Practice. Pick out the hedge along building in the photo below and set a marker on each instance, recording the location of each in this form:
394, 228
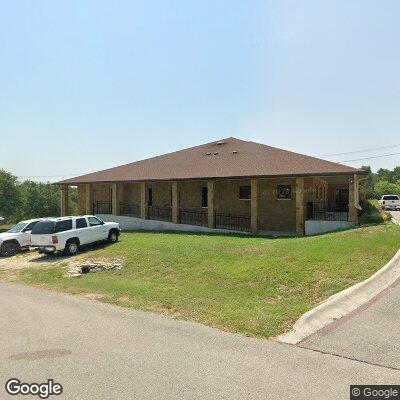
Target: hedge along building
228, 184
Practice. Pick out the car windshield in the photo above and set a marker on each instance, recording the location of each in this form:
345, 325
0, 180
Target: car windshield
390, 197
17, 228
44, 227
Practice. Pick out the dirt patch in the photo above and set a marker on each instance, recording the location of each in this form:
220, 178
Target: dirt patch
77, 268
73, 266
41, 354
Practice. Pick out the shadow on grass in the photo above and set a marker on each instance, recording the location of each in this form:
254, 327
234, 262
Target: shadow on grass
213, 234
60, 256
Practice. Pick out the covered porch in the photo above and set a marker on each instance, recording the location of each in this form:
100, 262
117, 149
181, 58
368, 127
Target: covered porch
257, 205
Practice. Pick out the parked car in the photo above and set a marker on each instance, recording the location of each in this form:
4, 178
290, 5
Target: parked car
17, 238
69, 233
390, 202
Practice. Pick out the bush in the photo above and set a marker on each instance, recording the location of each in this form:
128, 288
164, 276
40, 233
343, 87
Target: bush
371, 213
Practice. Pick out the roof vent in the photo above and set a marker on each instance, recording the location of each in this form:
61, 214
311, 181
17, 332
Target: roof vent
234, 151
208, 154
220, 143
216, 153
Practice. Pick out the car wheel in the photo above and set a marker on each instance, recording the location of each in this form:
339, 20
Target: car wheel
71, 248
112, 236
9, 249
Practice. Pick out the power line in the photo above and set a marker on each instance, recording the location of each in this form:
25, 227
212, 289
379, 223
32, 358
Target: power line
360, 151
369, 158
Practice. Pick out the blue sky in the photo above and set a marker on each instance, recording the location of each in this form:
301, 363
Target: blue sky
86, 85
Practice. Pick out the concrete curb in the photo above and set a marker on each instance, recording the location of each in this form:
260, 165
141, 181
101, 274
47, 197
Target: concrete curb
343, 303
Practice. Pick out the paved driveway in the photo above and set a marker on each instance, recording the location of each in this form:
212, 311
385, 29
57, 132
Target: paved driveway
396, 215
97, 351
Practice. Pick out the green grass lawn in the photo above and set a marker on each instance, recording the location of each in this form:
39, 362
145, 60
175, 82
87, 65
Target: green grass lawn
4, 228
250, 285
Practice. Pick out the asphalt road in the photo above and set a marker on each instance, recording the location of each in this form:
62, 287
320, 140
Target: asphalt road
99, 351
371, 333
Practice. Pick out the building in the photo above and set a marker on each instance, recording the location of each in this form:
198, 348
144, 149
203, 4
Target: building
228, 184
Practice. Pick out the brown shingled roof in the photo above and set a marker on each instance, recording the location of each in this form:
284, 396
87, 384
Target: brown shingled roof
226, 158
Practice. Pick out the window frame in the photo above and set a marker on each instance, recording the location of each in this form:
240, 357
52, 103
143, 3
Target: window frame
247, 187
278, 187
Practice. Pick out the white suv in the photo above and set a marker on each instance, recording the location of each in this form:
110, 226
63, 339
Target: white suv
17, 238
390, 202
68, 233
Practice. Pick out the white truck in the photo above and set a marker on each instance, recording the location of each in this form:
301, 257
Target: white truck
69, 233
17, 238
390, 202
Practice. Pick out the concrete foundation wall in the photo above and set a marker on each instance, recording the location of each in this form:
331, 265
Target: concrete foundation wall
318, 227
135, 224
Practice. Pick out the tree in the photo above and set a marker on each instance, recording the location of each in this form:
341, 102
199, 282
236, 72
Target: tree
384, 187
9, 195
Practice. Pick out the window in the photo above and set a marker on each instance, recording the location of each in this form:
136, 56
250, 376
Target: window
245, 193
17, 228
81, 223
150, 197
62, 226
43, 228
204, 197
30, 226
390, 198
93, 221
284, 192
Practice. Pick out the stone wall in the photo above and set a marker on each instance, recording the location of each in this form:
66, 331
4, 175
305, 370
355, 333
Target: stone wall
275, 214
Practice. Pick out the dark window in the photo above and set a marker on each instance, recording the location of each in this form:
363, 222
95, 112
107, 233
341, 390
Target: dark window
81, 223
62, 226
43, 228
204, 197
150, 197
93, 221
284, 192
30, 226
390, 198
244, 192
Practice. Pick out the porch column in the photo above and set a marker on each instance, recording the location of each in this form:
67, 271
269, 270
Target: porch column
210, 204
254, 206
143, 206
300, 206
353, 196
64, 200
89, 199
116, 197
175, 202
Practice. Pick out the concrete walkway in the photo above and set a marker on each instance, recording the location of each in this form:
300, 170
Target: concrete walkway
97, 351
